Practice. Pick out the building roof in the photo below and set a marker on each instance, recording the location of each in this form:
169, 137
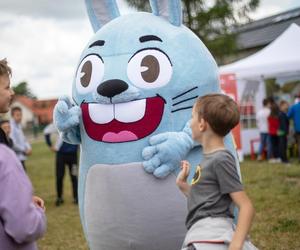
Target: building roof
40, 108
261, 32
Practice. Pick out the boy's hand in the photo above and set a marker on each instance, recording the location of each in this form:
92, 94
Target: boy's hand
38, 202
184, 173
28, 152
181, 180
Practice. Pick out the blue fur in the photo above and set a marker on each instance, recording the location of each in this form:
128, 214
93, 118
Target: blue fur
174, 10
109, 5
193, 66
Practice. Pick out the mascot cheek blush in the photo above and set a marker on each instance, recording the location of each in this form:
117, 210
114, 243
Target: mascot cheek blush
134, 88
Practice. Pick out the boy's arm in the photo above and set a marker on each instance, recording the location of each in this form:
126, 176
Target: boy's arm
18, 147
246, 214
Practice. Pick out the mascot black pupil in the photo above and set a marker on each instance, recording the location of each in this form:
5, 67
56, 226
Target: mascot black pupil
152, 72
87, 73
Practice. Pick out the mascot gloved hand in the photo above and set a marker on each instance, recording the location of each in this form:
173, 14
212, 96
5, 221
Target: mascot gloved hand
135, 84
166, 151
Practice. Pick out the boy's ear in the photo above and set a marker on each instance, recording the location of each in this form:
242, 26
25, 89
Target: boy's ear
202, 125
101, 12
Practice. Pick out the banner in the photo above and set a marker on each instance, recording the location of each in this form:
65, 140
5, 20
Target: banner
229, 87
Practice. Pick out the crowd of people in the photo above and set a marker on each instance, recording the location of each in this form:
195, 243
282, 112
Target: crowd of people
279, 127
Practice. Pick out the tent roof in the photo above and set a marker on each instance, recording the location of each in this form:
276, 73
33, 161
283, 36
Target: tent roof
281, 57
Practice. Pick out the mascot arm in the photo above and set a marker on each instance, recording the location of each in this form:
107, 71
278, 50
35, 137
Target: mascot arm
166, 150
66, 120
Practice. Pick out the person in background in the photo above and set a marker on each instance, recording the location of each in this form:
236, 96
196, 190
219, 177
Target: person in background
5, 126
262, 124
294, 114
22, 215
297, 99
283, 130
273, 123
66, 154
20, 144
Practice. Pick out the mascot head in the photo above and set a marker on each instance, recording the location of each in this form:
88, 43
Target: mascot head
140, 73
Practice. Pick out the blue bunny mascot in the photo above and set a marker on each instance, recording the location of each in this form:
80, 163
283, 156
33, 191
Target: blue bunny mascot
134, 88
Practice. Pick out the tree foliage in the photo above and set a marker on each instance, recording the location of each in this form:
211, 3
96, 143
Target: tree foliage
23, 89
213, 21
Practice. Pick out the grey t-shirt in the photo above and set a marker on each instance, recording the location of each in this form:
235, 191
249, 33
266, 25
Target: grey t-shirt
213, 181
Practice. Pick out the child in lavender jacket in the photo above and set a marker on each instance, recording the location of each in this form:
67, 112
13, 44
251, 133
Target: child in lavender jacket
22, 215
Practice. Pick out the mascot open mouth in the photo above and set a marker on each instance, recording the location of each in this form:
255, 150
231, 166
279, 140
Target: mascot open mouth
122, 122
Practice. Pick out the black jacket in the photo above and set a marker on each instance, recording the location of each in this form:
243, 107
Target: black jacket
4, 139
284, 122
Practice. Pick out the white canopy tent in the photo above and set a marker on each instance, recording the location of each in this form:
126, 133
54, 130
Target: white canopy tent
282, 56
279, 59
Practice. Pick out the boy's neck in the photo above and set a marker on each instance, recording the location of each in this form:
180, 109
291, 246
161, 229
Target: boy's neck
211, 143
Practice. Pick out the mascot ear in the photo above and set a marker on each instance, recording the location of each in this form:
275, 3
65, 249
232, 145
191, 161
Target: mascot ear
101, 12
169, 9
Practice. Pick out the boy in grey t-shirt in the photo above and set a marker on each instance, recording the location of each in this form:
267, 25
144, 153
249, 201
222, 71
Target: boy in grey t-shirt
216, 186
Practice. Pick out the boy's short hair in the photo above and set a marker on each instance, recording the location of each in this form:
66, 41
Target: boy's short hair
220, 111
4, 68
14, 109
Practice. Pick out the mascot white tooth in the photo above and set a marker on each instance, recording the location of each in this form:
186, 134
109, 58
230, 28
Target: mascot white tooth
134, 88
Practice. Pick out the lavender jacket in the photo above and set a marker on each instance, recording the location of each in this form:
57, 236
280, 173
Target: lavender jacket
21, 222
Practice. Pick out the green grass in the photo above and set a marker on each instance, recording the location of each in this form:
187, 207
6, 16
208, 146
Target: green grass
273, 188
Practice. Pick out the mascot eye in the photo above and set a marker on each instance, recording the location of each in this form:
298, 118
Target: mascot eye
149, 68
89, 74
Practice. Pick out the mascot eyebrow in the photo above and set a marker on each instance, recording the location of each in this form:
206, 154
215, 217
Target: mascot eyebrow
97, 43
149, 38
142, 40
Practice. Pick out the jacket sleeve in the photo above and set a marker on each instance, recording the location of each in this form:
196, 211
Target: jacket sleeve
290, 112
17, 145
22, 220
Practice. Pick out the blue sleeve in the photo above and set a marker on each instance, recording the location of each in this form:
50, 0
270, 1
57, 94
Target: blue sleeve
290, 112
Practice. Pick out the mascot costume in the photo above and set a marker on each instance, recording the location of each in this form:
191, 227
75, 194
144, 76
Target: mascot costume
135, 84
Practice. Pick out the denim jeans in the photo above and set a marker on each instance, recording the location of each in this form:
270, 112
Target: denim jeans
264, 144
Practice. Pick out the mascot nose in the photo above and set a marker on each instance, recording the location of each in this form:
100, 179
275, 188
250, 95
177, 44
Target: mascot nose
112, 87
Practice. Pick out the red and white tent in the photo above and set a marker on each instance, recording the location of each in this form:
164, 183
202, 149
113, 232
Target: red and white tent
280, 58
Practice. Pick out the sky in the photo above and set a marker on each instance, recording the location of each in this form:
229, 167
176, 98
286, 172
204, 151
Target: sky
43, 39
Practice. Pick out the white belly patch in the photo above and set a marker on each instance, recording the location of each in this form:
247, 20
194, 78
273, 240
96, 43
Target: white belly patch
127, 208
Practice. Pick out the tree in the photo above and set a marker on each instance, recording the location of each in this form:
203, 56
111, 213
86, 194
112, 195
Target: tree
23, 89
213, 21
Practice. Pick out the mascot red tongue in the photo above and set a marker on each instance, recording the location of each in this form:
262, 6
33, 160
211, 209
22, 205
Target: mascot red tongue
135, 84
